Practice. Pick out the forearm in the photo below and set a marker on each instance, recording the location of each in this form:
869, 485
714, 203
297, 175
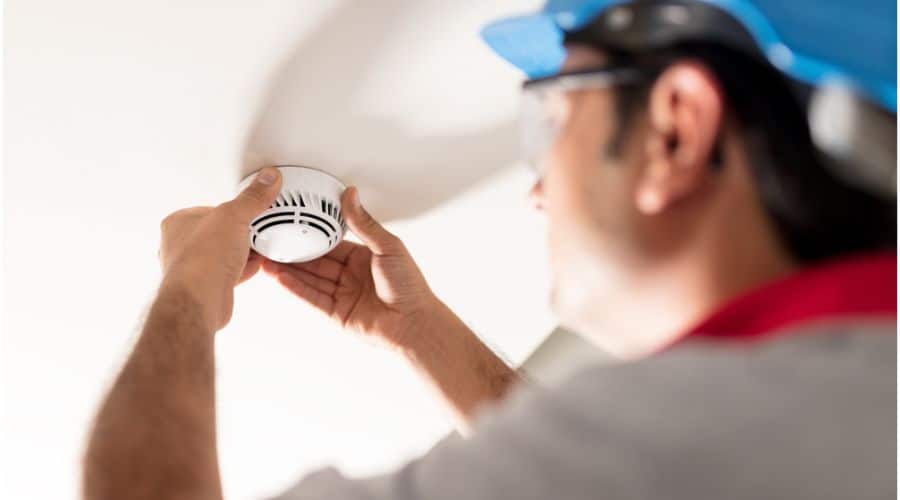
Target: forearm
154, 436
461, 368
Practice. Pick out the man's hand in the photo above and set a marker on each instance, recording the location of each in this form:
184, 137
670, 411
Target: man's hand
377, 290
374, 289
205, 251
155, 434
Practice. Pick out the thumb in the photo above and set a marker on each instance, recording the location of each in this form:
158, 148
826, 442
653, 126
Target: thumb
257, 196
379, 240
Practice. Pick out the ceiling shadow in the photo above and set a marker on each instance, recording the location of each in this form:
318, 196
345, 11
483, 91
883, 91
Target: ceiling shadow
306, 118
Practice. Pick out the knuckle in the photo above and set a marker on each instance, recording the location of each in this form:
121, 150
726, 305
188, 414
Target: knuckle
177, 217
392, 238
370, 222
229, 209
225, 207
169, 221
233, 212
394, 242
254, 194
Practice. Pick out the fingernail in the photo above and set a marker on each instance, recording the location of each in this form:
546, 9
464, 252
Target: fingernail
267, 176
356, 198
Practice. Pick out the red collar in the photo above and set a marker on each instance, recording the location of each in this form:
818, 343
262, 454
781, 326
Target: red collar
859, 285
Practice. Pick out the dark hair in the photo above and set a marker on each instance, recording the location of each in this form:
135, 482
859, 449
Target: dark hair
816, 214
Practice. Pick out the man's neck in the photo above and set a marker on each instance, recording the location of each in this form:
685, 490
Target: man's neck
733, 250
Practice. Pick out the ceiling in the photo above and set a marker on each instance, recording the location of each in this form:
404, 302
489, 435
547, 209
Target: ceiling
119, 112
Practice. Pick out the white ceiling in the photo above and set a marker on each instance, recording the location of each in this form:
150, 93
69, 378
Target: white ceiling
119, 112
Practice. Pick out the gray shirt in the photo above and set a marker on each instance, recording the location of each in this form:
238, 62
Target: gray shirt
807, 415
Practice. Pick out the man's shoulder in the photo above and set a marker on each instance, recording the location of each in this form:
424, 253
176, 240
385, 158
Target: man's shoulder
818, 358
814, 411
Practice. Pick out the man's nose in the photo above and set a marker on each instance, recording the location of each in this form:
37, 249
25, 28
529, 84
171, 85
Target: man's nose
536, 196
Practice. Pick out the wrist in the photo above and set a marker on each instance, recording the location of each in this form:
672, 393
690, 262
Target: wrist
186, 301
434, 324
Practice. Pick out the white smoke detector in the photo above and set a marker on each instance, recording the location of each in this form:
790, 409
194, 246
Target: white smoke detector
305, 221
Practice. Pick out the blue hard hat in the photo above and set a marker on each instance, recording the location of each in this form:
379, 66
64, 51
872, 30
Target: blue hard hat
812, 41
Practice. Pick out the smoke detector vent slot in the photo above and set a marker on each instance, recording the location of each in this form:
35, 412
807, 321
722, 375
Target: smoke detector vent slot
305, 221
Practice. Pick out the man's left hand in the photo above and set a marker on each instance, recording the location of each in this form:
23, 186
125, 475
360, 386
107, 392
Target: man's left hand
205, 251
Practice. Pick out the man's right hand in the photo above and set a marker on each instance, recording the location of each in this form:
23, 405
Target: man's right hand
375, 289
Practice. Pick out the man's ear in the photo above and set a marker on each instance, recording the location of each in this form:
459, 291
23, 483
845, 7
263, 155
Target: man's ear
686, 107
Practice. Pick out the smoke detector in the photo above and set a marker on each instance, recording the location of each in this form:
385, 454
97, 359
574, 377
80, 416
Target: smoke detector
305, 221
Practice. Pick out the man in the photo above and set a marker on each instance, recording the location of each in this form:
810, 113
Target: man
696, 233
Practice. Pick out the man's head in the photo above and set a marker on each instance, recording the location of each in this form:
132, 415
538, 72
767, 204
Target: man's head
676, 162
683, 188
627, 185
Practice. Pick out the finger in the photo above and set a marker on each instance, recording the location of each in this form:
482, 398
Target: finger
254, 262
270, 267
322, 267
371, 232
321, 284
313, 297
258, 196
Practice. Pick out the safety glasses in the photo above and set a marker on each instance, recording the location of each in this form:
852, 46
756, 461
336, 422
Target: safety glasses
544, 106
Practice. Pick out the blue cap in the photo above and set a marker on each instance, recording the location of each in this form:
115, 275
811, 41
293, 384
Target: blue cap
813, 41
